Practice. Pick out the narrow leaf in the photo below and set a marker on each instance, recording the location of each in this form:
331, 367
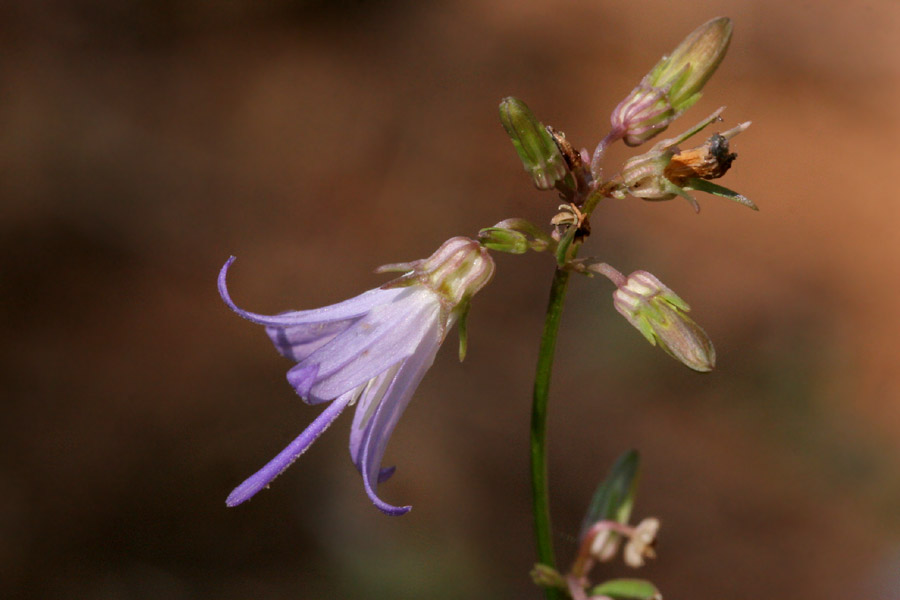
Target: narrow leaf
463, 331
614, 497
701, 185
627, 589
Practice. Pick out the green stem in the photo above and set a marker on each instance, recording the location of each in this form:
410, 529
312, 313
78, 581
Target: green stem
541, 502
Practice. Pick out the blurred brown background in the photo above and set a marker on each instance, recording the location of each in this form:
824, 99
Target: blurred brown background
144, 142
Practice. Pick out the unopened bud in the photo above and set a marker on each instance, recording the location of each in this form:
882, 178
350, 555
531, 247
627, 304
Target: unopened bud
661, 316
693, 62
674, 84
547, 576
515, 236
503, 240
533, 143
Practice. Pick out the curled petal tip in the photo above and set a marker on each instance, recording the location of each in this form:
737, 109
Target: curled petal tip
394, 511
223, 289
388, 509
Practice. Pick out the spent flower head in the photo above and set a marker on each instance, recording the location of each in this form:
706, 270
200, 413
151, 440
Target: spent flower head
666, 172
640, 545
371, 351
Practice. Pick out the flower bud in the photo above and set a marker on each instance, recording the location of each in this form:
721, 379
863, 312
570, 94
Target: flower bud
515, 236
503, 240
693, 62
674, 84
661, 316
533, 143
547, 576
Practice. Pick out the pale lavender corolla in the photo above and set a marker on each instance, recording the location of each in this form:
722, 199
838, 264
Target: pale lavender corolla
371, 351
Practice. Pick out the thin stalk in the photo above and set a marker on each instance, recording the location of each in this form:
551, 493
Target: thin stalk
543, 529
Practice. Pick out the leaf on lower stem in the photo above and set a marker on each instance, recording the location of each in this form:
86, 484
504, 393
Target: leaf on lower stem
627, 589
614, 497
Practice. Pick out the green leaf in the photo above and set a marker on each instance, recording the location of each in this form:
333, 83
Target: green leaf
627, 589
701, 185
463, 332
614, 497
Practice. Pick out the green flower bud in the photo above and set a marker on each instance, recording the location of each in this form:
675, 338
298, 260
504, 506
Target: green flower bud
515, 236
689, 67
661, 316
503, 240
674, 84
533, 143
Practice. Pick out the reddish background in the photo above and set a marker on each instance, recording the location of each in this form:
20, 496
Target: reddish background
145, 142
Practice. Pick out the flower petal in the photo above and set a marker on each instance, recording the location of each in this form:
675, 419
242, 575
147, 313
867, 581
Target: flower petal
370, 397
385, 336
346, 310
283, 460
302, 378
381, 424
299, 341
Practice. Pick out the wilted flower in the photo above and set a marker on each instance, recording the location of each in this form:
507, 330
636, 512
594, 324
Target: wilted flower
674, 84
640, 546
665, 172
661, 316
605, 545
371, 350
